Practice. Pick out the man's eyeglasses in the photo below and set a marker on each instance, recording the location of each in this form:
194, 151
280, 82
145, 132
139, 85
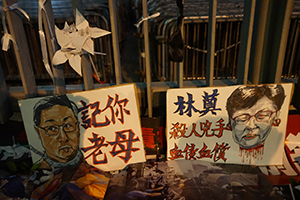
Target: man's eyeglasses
54, 129
261, 116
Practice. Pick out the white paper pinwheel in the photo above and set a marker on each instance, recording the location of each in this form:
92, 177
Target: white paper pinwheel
75, 41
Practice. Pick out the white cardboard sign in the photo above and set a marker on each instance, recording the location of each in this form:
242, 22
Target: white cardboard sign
106, 131
231, 124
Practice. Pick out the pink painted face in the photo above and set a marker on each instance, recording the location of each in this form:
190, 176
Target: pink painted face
251, 127
59, 133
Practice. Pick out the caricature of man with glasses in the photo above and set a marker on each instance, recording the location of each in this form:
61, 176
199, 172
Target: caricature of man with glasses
55, 121
252, 111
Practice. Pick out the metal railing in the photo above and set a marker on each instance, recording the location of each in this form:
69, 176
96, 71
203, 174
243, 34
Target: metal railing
103, 63
195, 37
228, 30
228, 59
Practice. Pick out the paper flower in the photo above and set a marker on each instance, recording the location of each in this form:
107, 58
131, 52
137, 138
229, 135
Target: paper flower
76, 40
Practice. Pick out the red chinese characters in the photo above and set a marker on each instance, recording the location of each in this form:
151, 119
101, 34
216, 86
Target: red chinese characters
179, 130
191, 152
121, 147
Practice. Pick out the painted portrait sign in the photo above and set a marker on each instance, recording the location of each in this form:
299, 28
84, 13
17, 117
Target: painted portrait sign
232, 124
101, 126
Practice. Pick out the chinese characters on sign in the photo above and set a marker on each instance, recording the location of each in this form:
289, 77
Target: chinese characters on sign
209, 104
113, 136
114, 111
192, 153
124, 140
229, 124
114, 105
179, 130
102, 126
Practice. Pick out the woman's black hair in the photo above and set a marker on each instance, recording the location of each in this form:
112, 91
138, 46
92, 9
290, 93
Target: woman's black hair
245, 97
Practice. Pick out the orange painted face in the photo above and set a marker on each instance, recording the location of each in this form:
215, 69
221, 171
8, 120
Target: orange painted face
250, 127
59, 133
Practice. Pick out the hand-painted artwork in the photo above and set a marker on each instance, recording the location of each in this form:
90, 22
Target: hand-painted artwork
101, 126
232, 124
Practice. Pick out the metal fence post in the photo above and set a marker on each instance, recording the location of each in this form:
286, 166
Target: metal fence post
115, 40
21, 50
147, 59
258, 44
58, 72
271, 27
246, 38
282, 35
211, 42
180, 64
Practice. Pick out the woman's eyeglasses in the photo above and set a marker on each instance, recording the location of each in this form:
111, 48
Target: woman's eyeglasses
261, 116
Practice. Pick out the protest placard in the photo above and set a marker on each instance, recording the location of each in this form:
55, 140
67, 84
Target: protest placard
229, 124
101, 126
